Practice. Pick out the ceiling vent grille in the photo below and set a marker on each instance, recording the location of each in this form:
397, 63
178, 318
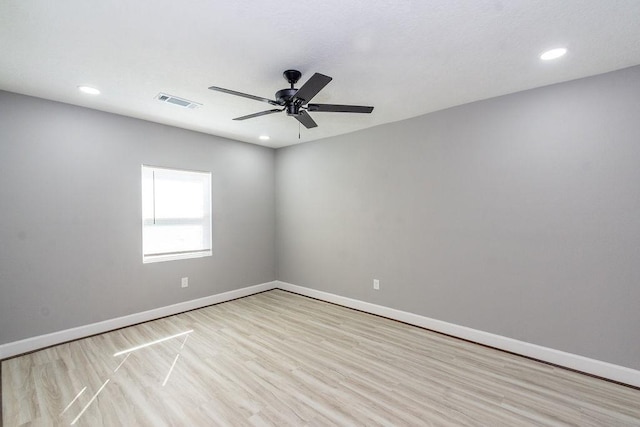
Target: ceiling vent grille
180, 102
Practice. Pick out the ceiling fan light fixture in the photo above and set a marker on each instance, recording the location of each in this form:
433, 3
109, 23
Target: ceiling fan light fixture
88, 90
553, 53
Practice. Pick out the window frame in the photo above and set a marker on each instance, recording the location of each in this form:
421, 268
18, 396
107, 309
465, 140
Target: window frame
206, 222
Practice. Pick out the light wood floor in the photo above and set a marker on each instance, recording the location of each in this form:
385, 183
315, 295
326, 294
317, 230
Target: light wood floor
280, 359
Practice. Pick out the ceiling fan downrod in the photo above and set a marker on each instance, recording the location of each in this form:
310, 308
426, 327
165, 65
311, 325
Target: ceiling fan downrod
292, 76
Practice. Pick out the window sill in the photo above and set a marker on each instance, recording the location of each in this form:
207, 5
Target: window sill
174, 257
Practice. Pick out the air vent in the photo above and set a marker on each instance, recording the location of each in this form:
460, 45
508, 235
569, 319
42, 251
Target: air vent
180, 102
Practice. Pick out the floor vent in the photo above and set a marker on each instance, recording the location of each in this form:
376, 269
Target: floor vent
180, 102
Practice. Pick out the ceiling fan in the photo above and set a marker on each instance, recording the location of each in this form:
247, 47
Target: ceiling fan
296, 101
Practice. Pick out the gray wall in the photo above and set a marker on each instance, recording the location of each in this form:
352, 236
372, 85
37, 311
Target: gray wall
518, 215
70, 216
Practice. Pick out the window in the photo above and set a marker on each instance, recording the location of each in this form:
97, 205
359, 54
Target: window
176, 214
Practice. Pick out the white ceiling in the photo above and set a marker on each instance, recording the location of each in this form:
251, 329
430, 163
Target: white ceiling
404, 57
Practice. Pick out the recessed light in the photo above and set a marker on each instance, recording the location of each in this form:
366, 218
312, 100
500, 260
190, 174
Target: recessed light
553, 54
264, 137
89, 90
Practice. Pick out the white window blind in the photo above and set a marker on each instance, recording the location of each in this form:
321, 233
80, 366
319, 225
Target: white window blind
176, 214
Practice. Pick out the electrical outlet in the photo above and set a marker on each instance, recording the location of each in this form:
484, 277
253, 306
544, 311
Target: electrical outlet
376, 284
185, 282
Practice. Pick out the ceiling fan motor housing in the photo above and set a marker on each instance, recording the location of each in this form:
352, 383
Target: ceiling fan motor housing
285, 95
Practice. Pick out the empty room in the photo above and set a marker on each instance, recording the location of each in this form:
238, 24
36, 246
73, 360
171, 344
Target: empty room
395, 213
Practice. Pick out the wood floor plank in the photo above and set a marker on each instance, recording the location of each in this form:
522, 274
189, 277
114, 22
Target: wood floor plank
280, 359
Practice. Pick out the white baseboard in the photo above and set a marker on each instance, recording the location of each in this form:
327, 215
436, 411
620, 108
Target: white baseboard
41, 341
572, 361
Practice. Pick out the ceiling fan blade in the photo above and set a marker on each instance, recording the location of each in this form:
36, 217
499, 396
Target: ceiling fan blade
262, 113
244, 95
332, 108
306, 120
312, 87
